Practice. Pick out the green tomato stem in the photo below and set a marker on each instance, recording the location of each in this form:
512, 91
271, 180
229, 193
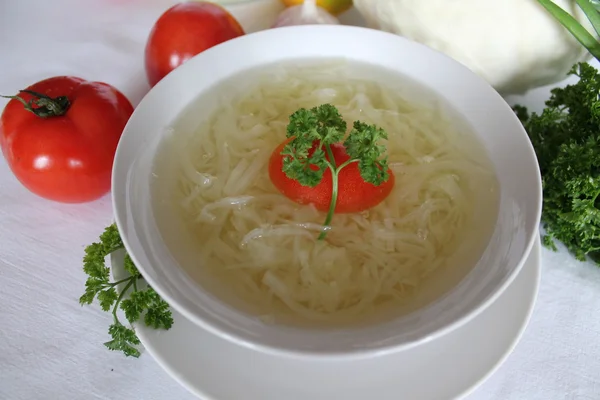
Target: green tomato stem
47, 106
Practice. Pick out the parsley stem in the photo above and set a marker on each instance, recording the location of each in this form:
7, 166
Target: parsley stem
119, 282
334, 196
335, 171
346, 164
125, 289
330, 155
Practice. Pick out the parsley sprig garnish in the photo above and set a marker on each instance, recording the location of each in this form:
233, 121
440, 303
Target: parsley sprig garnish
140, 302
566, 138
309, 152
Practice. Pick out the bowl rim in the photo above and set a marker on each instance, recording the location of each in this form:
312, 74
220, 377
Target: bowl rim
120, 214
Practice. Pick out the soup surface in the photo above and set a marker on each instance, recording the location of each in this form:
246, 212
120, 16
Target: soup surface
239, 237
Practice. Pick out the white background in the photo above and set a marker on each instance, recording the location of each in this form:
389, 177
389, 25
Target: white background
51, 348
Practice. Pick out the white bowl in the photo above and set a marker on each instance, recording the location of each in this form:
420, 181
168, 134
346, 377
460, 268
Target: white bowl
492, 119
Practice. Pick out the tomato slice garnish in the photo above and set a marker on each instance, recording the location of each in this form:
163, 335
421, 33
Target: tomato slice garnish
354, 194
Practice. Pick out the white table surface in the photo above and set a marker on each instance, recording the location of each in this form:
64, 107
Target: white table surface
51, 348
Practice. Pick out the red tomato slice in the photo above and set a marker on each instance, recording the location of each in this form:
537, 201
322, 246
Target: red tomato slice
354, 194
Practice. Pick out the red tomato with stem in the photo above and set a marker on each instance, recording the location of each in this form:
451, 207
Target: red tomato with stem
59, 137
354, 194
184, 31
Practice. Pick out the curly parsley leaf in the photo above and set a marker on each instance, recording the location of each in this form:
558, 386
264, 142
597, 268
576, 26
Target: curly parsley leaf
158, 315
309, 131
97, 283
129, 266
135, 305
132, 300
123, 339
566, 139
308, 171
107, 298
363, 144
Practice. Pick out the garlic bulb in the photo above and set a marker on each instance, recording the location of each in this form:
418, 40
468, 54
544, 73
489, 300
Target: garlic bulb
516, 45
308, 13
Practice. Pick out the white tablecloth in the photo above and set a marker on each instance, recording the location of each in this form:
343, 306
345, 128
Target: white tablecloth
51, 348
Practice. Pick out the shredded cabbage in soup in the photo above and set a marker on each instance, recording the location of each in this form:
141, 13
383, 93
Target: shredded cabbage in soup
257, 250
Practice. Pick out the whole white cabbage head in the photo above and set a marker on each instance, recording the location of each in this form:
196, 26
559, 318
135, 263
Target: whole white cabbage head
516, 45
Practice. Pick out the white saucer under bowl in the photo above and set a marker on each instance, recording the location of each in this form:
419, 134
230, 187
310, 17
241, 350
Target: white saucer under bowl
446, 368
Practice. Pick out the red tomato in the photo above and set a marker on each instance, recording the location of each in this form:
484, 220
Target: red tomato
183, 31
354, 194
66, 155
